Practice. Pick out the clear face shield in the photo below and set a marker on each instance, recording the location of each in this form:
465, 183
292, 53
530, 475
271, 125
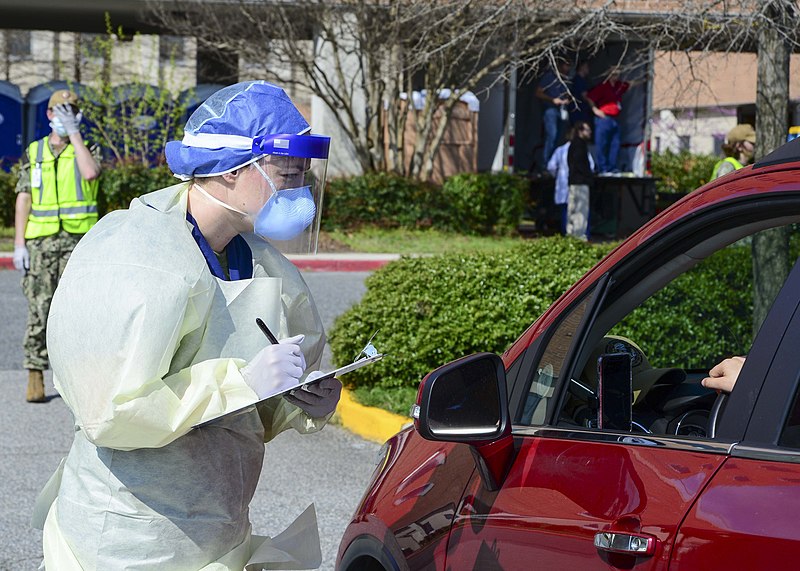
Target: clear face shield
295, 168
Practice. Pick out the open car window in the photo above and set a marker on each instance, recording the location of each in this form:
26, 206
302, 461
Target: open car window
674, 327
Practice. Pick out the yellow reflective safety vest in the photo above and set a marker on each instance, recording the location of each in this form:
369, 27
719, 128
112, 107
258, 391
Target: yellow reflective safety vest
60, 197
736, 165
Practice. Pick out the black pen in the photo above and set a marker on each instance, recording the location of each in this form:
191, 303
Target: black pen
265, 330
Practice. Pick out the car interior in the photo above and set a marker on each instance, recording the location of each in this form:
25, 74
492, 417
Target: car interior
667, 395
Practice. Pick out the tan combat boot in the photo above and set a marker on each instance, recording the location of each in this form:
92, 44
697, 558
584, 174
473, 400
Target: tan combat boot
35, 386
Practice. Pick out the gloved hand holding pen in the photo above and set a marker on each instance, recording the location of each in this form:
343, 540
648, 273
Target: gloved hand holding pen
276, 367
319, 399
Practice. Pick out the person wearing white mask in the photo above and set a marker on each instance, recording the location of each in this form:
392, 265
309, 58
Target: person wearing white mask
153, 344
56, 205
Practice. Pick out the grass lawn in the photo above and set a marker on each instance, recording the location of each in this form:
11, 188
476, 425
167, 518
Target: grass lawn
379, 241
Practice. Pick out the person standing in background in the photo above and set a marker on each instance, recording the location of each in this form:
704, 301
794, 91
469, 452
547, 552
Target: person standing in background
606, 102
581, 110
553, 91
739, 146
581, 179
56, 205
558, 167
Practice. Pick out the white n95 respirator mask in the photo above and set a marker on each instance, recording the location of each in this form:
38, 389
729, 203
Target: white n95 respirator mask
286, 214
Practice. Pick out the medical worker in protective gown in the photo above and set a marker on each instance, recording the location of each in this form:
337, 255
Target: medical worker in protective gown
152, 331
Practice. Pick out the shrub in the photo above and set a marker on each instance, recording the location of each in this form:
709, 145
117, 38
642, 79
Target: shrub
380, 199
123, 183
466, 203
681, 172
433, 310
8, 196
485, 203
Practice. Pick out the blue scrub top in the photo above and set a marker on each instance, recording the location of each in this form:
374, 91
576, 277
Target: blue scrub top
240, 256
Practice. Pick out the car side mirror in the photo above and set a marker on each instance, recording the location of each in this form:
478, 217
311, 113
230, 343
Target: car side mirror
464, 401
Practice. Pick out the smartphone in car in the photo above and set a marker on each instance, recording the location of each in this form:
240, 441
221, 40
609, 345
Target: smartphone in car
615, 392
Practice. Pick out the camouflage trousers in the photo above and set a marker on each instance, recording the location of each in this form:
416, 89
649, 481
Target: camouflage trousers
49, 256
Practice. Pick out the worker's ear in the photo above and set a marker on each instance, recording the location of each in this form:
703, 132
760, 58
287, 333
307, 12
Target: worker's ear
230, 177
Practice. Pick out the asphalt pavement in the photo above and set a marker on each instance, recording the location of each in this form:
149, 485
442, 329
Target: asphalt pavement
330, 468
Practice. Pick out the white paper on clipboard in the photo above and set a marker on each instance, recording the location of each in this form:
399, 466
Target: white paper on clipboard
357, 364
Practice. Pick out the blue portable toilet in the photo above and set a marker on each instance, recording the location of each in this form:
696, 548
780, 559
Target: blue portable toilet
11, 103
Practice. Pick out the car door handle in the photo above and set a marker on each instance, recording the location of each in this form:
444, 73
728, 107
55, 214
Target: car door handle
629, 543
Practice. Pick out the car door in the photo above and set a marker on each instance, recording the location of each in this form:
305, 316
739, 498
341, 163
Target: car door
746, 518
567, 484
572, 484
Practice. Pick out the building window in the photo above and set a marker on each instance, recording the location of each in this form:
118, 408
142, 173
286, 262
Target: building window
18, 43
95, 46
684, 143
171, 47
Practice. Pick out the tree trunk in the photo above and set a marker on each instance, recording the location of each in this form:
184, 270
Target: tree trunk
771, 247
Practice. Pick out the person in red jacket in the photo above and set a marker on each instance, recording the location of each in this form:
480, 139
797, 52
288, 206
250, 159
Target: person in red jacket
606, 101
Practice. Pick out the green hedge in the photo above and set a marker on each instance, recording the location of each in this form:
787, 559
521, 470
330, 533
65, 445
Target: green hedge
485, 203
466, 203
120, 185
383, 200
681, 172
433, 310
8, 196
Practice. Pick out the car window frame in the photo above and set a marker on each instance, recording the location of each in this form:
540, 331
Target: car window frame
685, 234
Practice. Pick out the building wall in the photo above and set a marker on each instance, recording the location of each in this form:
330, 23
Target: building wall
56, 56
696, 130
697, 97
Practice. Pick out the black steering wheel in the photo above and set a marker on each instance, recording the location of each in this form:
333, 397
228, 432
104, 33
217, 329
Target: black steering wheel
716, 411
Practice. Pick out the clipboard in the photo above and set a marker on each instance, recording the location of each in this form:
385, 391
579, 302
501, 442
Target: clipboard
341, 370
370, 355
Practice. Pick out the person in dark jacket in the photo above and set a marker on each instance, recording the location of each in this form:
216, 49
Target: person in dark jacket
581, 179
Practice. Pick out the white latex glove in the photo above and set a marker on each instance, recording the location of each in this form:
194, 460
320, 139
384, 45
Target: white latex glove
22, 259
276, 367
317, 399
67, 117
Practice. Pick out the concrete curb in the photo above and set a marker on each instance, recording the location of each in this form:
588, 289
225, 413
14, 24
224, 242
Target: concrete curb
319, 262
370, 423
349, 262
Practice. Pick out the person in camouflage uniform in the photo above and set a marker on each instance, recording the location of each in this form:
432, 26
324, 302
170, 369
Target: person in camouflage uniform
56, 205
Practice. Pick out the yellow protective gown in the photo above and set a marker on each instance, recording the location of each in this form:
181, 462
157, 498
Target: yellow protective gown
144, 344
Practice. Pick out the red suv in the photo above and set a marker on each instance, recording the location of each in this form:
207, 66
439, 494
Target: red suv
581, 448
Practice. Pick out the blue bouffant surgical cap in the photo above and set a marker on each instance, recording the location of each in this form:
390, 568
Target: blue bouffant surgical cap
218, 136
